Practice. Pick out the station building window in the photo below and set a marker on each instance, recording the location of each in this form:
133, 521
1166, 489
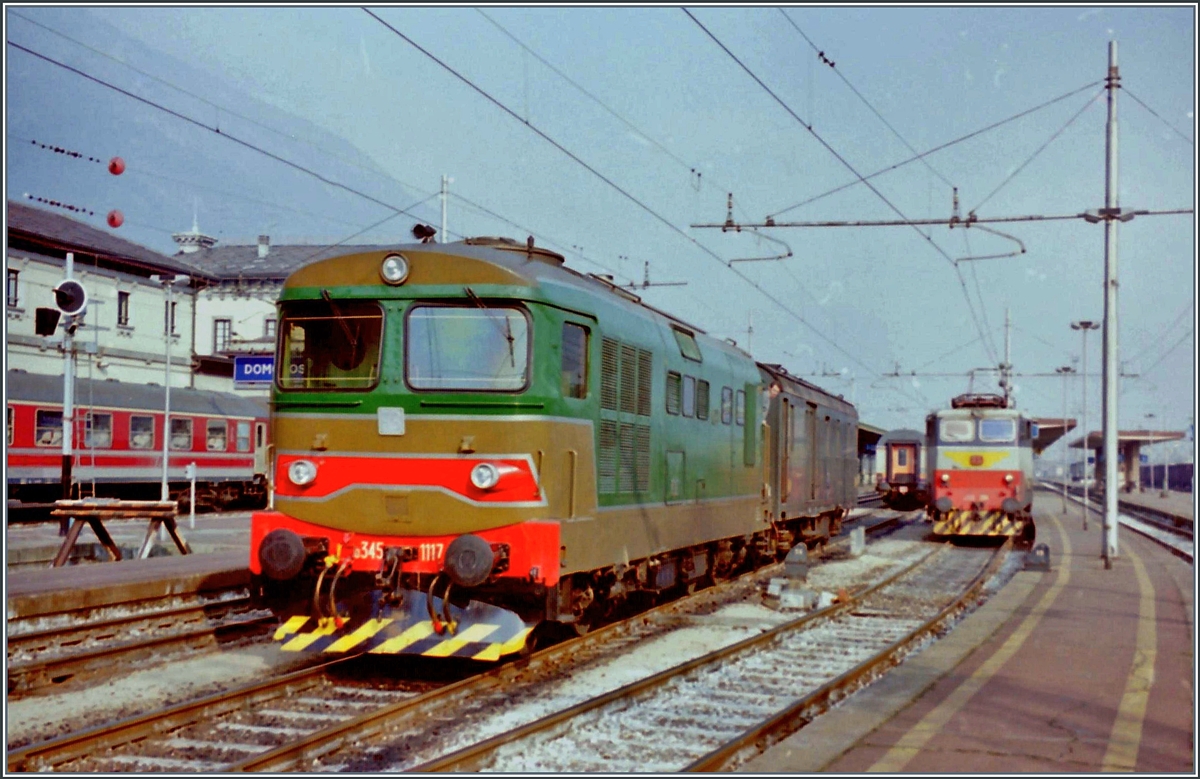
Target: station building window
222, 334
269, 327
141, 431
181, 434
123, 309
48, 428
14, 288
97, 432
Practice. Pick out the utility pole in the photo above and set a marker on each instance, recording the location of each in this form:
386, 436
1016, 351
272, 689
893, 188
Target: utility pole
1085, 325
1112, 213
1065, 370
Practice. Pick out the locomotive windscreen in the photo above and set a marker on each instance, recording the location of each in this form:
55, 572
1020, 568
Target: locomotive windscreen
329, 345
467, 348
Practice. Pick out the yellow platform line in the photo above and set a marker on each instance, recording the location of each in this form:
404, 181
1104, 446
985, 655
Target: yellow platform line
411, 636
911, 743
325, 627
364, 631
291, 626
468, 636
1126, 737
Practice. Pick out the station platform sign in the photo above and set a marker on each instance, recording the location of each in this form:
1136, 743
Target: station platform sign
253, 370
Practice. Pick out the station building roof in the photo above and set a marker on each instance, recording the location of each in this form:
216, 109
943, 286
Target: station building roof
1095, 439
1050, 429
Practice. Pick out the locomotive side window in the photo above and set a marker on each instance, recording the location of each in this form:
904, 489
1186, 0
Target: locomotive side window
243, 436
97, 433
574, 360
998, 430
726, 406
687, 344
956, 430
689, 396
701, 399
218, 431
674, 392
332, 345
740, 407
181, 434
467, 349
48, 428
141, 432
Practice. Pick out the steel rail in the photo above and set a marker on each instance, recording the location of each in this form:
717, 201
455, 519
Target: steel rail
806, 709
470, 758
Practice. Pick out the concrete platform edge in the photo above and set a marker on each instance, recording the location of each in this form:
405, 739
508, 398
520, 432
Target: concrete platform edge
831, 735
46, 603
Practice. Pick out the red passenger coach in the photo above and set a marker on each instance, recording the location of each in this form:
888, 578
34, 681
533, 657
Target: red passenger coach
117, 442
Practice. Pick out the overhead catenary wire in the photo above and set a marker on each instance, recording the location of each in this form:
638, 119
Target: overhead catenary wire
657, 216
1156, 115
936, 149
843, 161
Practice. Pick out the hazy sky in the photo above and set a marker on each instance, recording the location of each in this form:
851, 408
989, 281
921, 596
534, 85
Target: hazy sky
669, 123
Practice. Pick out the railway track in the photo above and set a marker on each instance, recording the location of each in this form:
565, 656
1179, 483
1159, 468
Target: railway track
1173, 531
75, 648
282, 721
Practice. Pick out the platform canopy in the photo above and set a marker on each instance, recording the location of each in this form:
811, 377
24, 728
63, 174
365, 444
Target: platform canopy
1050, 429
1095, 439
868, 436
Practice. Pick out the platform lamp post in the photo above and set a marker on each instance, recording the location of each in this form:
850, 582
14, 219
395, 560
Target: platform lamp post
1085, 325
1065, 370
168, 283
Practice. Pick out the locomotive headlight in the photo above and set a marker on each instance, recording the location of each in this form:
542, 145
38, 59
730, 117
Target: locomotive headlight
485, 476
1008, 478
394, 269
945, 478
302, 472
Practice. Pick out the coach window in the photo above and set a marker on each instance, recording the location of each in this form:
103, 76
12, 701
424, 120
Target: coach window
10, 425
957, 430
726, 406
574, 360
14, 288
218, 431
674, 392
48, 428
998, 431
467, 348
181, 434
689, 396
701, 399
123, 309
141, 432
243, 436
97, 433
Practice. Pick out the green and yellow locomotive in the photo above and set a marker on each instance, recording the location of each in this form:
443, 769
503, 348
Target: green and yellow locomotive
473, 441
981, 455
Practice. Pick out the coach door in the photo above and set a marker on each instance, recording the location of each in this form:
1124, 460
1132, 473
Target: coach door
260, 447
810, 432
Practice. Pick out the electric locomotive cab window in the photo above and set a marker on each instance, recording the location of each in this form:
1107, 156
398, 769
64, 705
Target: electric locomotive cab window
689, 396
48, 428
701, 399
574, 360
998, 430
467, 348
674, 392
217, 435
181, 434
329, 345
687, 344
726, 406
141, 432
97, 433
956, 430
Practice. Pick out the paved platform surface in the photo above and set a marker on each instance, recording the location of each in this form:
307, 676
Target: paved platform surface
220, 552
1079, 669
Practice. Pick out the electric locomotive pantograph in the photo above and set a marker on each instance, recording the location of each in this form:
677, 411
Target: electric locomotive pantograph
981, 455
474, 442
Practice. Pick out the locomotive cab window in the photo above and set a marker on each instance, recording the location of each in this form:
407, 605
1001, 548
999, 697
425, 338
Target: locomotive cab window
956, 430
467, 348
97, 433
726, 406
574, 360
687, 344
998, 430
329, 345
48, 428
141, 432
217, 435
689, 396
181, 434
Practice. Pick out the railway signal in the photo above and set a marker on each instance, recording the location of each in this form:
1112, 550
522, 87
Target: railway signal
70, 297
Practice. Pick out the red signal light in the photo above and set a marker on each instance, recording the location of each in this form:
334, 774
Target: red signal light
116, 166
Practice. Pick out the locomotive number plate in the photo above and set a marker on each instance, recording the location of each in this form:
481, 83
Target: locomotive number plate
369, 550
431, 552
